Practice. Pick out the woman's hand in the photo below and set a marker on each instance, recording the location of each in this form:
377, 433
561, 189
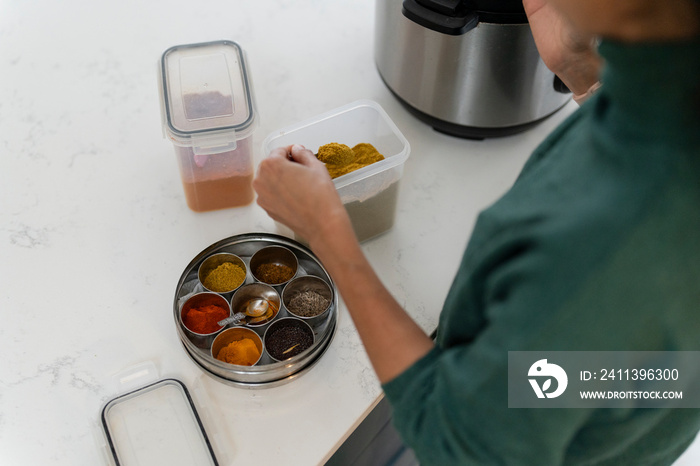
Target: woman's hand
294, 188
566, 52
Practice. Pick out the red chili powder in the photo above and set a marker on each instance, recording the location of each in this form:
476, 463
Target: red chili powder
204, 319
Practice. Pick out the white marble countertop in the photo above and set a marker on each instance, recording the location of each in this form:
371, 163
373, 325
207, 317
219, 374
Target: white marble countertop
95, 232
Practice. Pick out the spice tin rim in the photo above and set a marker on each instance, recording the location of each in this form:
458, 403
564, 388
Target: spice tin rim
270, 383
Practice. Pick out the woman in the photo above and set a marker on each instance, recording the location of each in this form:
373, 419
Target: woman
595, 247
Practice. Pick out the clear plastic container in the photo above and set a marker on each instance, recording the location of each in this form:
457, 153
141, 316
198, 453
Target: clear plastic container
369, 194
208, 113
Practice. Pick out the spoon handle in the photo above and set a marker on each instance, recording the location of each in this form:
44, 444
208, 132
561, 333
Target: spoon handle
235, 319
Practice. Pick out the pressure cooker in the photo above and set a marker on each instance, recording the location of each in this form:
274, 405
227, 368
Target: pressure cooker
469, 68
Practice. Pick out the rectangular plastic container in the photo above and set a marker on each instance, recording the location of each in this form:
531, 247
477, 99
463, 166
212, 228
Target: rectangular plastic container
208, 114
369, 194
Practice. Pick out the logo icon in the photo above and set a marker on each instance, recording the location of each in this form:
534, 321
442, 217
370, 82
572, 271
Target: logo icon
541, 369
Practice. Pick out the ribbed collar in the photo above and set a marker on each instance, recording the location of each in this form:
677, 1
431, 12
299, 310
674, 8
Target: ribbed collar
655, 86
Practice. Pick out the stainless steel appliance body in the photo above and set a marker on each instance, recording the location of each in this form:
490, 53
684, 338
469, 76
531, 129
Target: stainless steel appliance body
486, 81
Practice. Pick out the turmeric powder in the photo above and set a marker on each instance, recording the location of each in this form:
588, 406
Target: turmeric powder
366, 154
335, 154
341, 160
242, 352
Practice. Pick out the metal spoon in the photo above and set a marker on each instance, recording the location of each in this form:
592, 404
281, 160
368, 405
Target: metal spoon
254, 308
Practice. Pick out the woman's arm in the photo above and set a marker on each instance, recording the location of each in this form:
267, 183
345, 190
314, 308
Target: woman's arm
296, 190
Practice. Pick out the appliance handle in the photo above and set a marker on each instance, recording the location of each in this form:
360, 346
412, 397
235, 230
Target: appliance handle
444, 18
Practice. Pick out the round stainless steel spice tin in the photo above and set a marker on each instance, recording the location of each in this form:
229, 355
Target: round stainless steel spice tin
267, 372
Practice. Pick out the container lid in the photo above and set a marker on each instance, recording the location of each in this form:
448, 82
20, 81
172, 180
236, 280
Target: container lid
206, 94
156, 424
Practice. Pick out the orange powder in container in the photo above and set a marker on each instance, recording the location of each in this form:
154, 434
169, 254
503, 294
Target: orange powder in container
242, 352
204, 319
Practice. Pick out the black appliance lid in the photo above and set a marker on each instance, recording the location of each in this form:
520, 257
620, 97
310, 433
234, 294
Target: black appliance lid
455, 17
497, 7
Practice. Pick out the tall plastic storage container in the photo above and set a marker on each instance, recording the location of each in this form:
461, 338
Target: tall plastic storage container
209, 115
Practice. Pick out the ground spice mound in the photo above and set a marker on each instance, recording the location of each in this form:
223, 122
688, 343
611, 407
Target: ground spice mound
242, 352
341, 160
274, 274
204, 320
308, 303
335, 154
366, 154
225, 277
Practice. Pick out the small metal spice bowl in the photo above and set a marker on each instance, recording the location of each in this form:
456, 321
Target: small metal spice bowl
232, 334
200, 300
259, 302
212, 262
304, 285
269, 264
288, 337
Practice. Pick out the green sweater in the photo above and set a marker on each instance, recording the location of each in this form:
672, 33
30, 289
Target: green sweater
595, 247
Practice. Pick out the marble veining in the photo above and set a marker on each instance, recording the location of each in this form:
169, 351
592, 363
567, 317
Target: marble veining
95, 232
